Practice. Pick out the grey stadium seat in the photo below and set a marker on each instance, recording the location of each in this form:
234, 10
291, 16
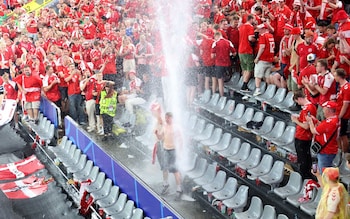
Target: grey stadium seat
207, 132
228, 191
104, 191
276, 132
219, 106
254, 211
217, 184
246, 117
291, 188
278, 97
137, 214
127, 211
110, 199
198, 129
208, 176
199, 169
118, 206
252, 161
275, 176
293, 199
266, 126
213, 101
269, 212
214, 139
223, 143
97, 184
228, 109
242, 154
286, 138
310, 207
263, 168
232, 149
268, 94
204, 98
237, 113
239, 200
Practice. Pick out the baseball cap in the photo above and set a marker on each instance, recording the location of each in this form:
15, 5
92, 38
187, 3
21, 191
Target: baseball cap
311, 57
288, 27
310, 25
262, 26
341, 15
332, 173
296, 30
297, 2
330, 104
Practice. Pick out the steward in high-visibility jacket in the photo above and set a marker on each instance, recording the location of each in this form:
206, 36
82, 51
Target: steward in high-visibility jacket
108, 105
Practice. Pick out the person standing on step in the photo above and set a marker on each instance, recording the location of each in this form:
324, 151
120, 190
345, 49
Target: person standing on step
108, 108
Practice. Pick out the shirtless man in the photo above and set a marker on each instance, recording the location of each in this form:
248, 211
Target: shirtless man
172, 141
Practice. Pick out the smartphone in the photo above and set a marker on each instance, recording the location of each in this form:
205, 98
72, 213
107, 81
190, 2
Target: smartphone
314, 168
308, 114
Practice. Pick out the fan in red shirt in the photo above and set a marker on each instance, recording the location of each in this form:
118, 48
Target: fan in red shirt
306, 48
264, 58
109, 69
5, 59
222, 50
282, 18
324, 132
88, 86
343, 111
50, 86
30, 87
203, 8
303, 135
305, 77
218, 15
205, 49
233, 32
89, 29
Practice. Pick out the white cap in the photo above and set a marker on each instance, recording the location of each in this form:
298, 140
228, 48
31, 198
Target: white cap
311, 57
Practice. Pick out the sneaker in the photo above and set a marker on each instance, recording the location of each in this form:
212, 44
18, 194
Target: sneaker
178, 195
82, 123
101, 133
245, 98
165, 189
245, 90
257, 93
89, 129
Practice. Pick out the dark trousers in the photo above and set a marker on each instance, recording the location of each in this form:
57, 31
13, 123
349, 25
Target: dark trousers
304, 157
107, 123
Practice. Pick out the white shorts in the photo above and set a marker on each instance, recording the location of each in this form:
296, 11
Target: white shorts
129, 65
32, 105
262, 69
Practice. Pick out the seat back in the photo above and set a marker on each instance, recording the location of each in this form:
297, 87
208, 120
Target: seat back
239, 110
94, 172
230, 186
200, 125
63, 141
208, 131
214, 100
251, 84
288, 134
263, 86
242, 195
43, 123
51, 131
210, 172
192, 122
224, 141
282, 216
119, 205
277, 130
269, 212
269, 92
240, 82
235, 145
288, 101
88, 167
295, 181
235, 77
99, 180
206, 96
220, 179
82, 161
277, 170
216, 136
254, 156
138, 214
229, 107
280, 95
244, 151
266, 163
221, 103
67, 146
267, 125
258, 116
256, 207
248, 115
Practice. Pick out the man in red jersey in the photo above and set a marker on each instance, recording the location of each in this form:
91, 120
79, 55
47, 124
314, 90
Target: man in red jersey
326, 131
50, 86
264, 58
305, 77
343, 111
245, 50
222, 49
282, 18
10, 89
89, 29
285, 51
205, 49
303, 135
233, 36
30, 87
88, 86
303, 49
109, 68
143, 54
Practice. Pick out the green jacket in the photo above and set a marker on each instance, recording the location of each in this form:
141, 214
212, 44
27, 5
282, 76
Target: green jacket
108, 105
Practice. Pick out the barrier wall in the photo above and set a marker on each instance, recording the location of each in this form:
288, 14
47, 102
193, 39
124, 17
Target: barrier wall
130, 184
51, 111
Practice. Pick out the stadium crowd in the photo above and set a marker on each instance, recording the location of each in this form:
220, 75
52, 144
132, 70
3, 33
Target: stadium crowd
73, 51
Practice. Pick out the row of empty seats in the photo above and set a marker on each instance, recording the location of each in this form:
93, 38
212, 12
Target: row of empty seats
276, 97
44, 130
106, 195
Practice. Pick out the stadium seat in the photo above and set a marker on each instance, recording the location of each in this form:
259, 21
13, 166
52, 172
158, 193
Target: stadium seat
206, 134
246, 117
84, 174
96, 184
258, 117
192, 121
127, 211
118, 206
252, 88
212, 103
287, 102
68, 155
208, 176
62, 148
137, 214
227, 110
237, 113
252, 161
290, 147
269, 212
232, 149
242, 154
228, 191
254, 211
79, 166
282, 216
67, 161
110, 199
338, 158
278, 97
263, 168
223, 143
219, 106
198, 129
293, 199
235, 83
214, 139
275, 176
276, 132
191, 164
104, 191
205, 97
217, 184
266, 126
293, 186
268, 94
199, 169
310, 207
343, 169
239, 200
286, 138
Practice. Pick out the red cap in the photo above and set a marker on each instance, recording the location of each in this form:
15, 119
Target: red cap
288, 27
330, 104
310, 25
296, 30
341, 15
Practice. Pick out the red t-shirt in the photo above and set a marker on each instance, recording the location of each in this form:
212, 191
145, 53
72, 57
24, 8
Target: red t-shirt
233, 36
10, 89
301, 133
303, 50
96, 58
89, 31
110, 67
74, 85
283, 16
269, 51
203, 10
54, 93
245, 31
90, 87
308, 71
32, 85
99, 88
343, 96
206, 48
222, 50
324, 131
326, 81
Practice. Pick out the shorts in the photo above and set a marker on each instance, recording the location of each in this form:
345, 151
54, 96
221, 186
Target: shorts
170, 161
160, 155
220, 71
32, 105
129, 65
343, 127
262, 69
209, 71
64, 92
247, 62
191, 77
97, 109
